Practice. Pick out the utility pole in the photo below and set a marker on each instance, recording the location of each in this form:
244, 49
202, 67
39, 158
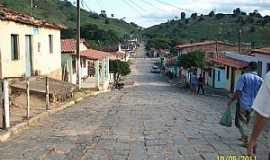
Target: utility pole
239, 41
78, 62
31, 6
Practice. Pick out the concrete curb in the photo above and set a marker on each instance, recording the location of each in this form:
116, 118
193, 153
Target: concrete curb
6, 135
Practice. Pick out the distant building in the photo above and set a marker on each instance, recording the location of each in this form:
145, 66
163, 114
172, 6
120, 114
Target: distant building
209, 47
263, 57
28, 46
224, 72
94, 65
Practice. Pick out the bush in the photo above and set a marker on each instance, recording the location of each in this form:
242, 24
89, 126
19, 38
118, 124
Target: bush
119, 68
94, 15
107, 21
219, 16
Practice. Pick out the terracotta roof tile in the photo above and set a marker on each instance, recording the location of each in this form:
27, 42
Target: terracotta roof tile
69, 45
94, 54
18, 17
228, 61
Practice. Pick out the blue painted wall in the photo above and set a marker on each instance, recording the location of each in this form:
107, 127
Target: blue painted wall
220, 78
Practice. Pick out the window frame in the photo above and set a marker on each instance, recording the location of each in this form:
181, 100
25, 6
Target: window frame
228, 72
267, 67
51, 43
219, 76
15, 56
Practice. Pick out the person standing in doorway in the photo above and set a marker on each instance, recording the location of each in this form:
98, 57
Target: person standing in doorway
246, 90
200, 84
193, 82
262, 108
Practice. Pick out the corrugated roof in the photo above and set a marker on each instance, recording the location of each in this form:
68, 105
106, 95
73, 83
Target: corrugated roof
261, 51
18, 17
188, 45
228, 61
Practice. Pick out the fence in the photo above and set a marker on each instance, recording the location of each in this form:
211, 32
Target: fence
19, 104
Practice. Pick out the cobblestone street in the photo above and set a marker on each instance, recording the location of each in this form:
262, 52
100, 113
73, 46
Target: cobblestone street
150, 121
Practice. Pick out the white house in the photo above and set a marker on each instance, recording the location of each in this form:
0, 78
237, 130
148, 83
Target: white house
28, 46
94, 65
263, 57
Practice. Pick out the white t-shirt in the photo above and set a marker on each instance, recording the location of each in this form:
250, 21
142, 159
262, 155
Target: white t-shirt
262, 102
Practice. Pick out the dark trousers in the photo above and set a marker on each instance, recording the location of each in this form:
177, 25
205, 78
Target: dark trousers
242, 119
200, 87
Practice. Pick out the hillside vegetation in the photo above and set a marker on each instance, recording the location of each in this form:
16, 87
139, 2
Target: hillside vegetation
255, 29
102, 31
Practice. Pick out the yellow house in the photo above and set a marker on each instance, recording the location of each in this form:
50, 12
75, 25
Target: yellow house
28, 46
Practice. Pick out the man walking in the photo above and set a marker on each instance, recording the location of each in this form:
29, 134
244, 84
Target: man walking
200, 84
262, 108
246, 91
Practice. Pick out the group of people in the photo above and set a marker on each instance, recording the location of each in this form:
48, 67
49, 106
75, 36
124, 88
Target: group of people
252, 94
196, 83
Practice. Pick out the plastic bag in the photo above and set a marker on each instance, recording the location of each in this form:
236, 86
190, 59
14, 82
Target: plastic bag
226, 119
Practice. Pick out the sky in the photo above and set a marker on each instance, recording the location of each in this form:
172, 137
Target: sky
152, 12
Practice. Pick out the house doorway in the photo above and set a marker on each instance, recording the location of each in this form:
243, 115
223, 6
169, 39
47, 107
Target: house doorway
232, 80
28, 55
214, 78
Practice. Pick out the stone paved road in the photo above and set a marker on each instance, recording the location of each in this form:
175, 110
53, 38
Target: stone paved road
151, 121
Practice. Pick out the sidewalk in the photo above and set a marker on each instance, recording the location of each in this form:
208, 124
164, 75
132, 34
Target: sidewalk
38, 112
209, 91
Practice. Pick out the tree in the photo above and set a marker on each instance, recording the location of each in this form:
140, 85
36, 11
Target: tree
103, 14
211, 14
194, 15
237, 11
255, 13
119, 68
192, 59
183, 15
201, 18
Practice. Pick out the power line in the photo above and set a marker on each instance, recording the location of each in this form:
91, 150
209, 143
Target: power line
84, 4
152, 5
131, 6
136, 5
174, 6
99, 4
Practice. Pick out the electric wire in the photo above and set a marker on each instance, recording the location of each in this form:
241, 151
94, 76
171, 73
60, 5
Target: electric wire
131, 6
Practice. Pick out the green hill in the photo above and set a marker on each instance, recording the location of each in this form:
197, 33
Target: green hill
255, 29
102, 31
